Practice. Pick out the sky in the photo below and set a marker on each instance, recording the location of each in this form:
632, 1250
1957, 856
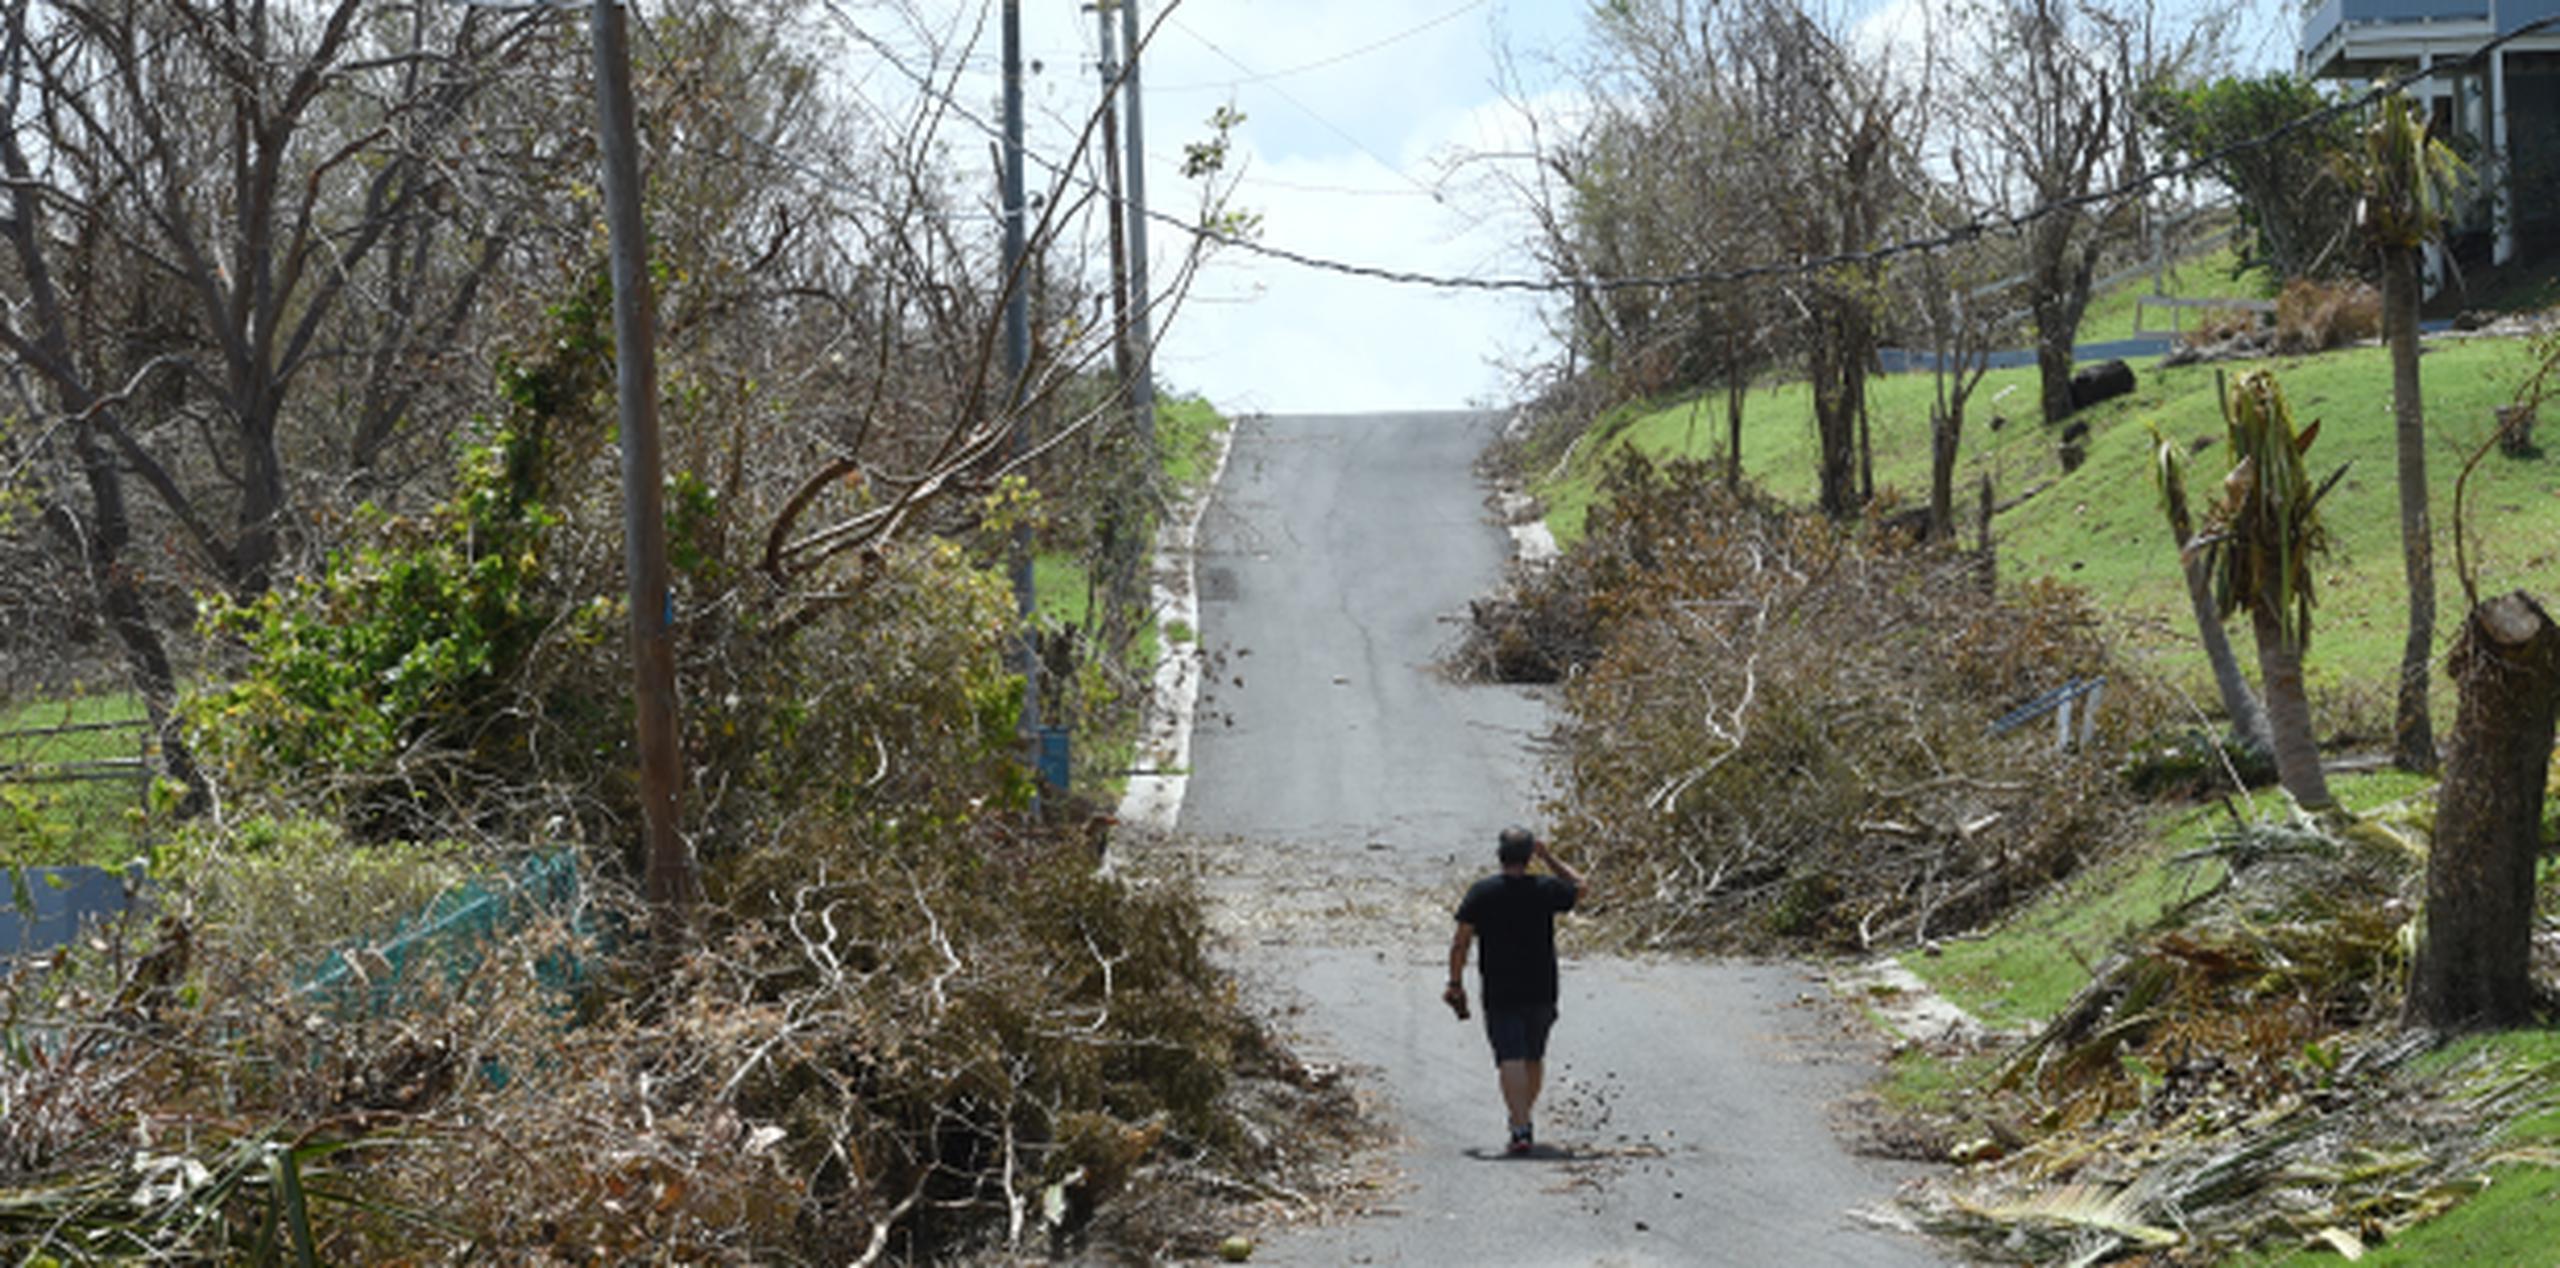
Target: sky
1375, 133
1356, 113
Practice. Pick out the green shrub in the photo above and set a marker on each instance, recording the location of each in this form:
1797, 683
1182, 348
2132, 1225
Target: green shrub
390, 684
292, 889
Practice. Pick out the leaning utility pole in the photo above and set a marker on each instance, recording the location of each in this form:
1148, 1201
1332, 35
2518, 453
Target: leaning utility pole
1125, 518
669, 866
1110, 154
1017, 364
1142, 384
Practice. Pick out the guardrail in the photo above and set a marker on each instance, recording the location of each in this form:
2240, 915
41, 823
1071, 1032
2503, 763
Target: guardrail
37, 770
2177, 304
2060, 702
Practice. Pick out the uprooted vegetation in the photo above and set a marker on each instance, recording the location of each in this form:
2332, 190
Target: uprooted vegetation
2238, 1078
1782, 729
906, 1020
912, 1052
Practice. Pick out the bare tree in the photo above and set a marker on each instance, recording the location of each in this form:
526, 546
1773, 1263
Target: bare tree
2055, 92
1719, 139
242, 244
1831, 159
1960, 310
211, 211
1657, 175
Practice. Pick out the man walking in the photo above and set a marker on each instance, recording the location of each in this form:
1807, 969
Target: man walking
1513, 914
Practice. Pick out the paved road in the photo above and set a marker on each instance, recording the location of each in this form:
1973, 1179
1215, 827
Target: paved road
1349, 790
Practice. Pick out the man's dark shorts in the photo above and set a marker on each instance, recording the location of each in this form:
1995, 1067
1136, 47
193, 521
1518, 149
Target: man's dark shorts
1519, 1032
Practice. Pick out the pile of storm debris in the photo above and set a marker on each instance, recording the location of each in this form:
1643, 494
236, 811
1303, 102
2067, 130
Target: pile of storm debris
1783, 730
1782, 733
2239, 1078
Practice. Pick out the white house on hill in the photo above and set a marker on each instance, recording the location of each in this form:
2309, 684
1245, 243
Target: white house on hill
2507, 109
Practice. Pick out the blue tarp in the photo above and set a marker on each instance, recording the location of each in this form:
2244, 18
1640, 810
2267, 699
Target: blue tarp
454, 931
47, 907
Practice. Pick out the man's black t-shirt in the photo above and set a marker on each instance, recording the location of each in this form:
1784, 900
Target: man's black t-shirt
1515, 922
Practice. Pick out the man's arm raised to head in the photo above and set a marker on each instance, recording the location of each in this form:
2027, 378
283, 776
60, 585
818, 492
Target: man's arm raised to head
1563, 870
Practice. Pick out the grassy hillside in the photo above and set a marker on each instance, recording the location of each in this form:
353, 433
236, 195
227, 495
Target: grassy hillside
2100, 527
74, 809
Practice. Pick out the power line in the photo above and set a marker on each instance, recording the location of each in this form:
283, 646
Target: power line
1336, 59
1972, 231
1307, 110
1961, 235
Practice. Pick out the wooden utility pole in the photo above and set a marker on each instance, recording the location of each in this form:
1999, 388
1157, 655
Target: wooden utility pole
1110, 154
1017, 364
669, 865
1142, 386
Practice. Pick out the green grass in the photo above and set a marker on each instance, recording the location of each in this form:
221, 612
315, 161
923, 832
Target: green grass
1918, 1078
48, 823
1061, 588
2210, 275
1187, 431
2512, 1221
2037, 961
2100, 527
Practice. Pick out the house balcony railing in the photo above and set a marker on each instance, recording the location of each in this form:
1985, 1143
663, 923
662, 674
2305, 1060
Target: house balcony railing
2330, 24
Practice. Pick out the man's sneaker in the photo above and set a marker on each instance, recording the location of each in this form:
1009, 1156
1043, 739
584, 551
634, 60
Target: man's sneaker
1519, 1142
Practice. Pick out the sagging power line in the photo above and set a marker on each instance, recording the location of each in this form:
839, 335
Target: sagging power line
1974, 230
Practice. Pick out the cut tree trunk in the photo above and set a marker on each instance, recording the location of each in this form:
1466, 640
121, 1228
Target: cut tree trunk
2472, 969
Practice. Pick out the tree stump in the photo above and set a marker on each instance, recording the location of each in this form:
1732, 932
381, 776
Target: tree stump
2104, 381
2472, 969
2074, 449
2515, 431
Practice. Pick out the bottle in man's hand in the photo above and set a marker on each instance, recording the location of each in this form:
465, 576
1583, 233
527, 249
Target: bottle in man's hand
1456, 997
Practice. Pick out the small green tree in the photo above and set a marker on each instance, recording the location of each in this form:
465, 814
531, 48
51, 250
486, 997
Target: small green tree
384, 681
2258, 542
2291, 197
458, 670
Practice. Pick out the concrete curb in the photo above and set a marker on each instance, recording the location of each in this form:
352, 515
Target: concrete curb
1906, 1005
1533, 544
1154, 794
